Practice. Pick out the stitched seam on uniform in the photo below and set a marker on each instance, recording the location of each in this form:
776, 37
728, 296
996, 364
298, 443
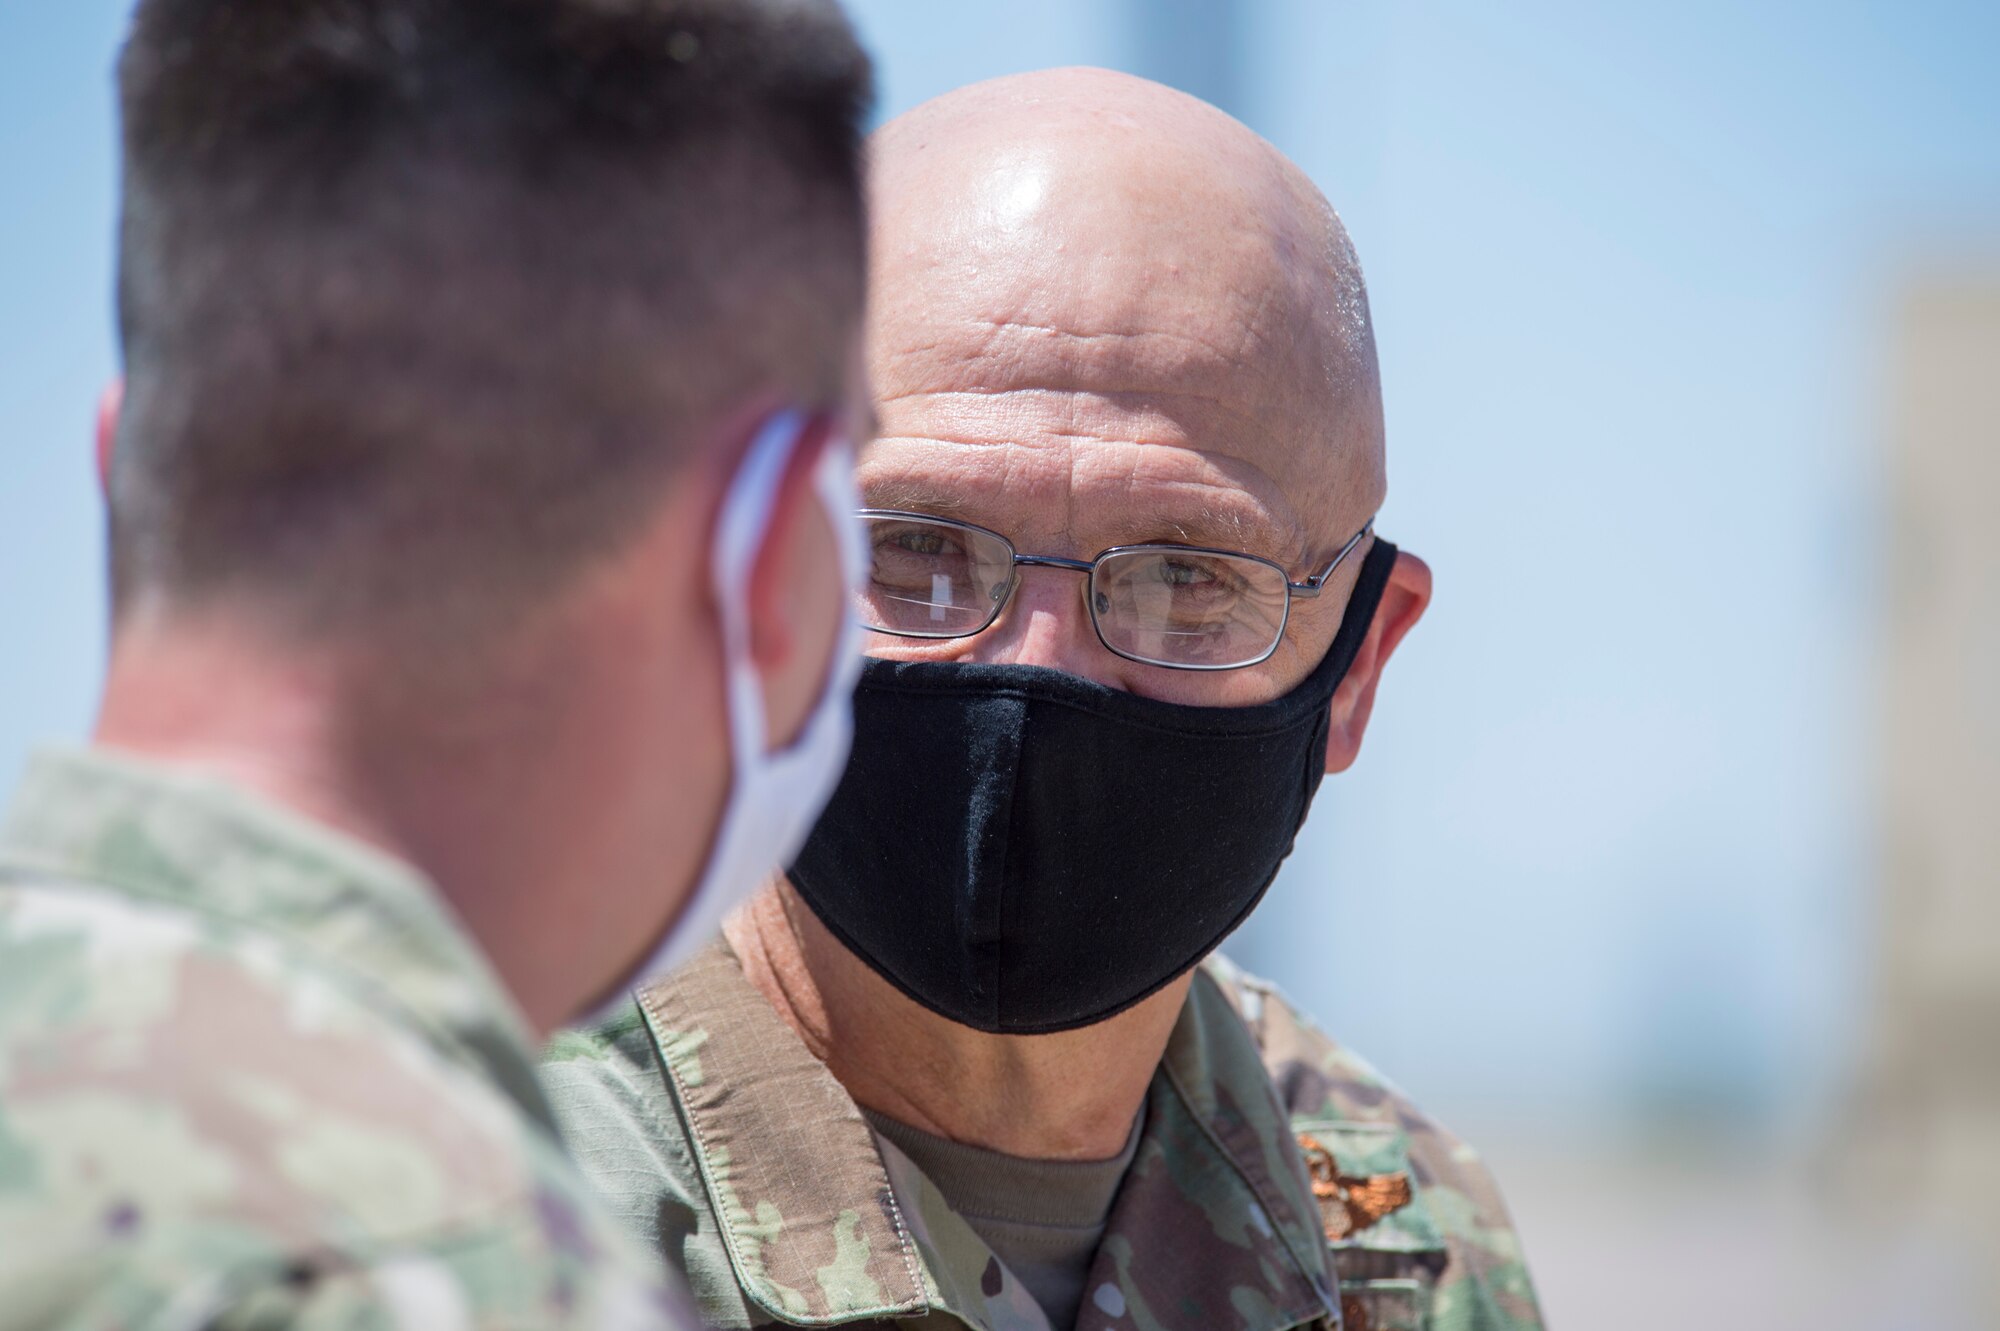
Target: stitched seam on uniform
904, 1239
967, 1313
1006, 853
656, 1021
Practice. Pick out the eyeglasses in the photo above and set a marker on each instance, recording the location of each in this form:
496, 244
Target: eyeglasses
1179, 606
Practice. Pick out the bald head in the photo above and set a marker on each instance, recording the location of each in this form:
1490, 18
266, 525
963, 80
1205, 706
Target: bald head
1103, 312
1088, 231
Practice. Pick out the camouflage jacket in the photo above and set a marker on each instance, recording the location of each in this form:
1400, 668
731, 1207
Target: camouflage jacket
253, 1075
761, 1181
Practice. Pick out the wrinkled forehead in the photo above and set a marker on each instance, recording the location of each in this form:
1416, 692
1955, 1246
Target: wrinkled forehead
1060, 316
1042, 267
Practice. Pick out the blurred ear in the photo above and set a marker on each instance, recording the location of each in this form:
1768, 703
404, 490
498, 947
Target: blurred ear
109, 406
796, 596
1403, 604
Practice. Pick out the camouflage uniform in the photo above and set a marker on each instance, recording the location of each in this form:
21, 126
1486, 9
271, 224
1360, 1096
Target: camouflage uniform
253, 1075
759, 1178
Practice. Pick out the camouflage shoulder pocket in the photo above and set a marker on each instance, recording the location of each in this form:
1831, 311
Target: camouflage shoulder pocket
1388, 1248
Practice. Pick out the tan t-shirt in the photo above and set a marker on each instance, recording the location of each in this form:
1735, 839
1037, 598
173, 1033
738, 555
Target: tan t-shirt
1042, 1218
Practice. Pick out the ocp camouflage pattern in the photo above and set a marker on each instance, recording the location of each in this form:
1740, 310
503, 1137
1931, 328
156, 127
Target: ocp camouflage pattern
715, 1133
252, 1075
1446, 1260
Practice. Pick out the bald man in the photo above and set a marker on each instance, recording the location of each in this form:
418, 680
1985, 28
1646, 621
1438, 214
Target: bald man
973, 1060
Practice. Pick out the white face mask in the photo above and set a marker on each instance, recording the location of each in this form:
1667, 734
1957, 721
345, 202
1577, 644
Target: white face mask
774, 797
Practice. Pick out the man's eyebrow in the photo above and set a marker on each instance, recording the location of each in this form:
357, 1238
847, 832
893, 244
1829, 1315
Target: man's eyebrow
1217, 527
912, 496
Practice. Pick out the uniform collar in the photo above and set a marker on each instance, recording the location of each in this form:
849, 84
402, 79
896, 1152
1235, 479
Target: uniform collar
172, 836
825, 1222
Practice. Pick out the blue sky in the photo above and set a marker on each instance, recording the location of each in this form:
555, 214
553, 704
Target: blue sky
1630, 267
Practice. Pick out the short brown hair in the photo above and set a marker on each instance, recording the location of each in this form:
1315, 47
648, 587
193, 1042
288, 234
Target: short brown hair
431, 299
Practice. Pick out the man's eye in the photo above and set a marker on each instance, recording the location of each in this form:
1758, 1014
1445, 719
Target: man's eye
920, 542
1191, 575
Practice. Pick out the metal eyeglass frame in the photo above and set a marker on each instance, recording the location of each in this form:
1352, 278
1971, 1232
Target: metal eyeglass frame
1313, 585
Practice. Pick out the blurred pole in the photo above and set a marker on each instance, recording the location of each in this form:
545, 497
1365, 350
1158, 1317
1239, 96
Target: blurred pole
1193, 45
1923, 1135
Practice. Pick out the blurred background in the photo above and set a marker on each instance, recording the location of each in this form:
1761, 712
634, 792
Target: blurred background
1671, 873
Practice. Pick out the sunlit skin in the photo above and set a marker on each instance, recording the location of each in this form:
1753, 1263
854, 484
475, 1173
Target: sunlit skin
1103, 313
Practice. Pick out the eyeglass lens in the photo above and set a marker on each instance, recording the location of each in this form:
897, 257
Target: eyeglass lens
933, 579
1184, 608
1162, 604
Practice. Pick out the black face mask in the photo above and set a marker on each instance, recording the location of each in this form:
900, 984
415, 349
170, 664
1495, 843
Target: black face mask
1025, 851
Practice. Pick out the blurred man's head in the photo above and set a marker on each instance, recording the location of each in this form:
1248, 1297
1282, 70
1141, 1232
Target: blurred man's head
421, 296
448, 325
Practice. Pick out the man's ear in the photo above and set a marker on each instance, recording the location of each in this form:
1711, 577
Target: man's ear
1403, 604
796, 597
772, 631
110, 404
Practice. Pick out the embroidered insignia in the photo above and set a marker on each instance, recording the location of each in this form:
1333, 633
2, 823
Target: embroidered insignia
1351, 1202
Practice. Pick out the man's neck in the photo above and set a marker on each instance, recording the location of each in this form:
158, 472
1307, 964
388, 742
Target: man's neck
1069, 1096
214, 697
213, 701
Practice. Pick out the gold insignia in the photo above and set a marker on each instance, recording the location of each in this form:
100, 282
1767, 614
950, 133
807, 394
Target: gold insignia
1351, 1202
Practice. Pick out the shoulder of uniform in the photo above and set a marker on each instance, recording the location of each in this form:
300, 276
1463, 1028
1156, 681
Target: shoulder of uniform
619, 1042
156, 1065
618, 1115
195, 1112
1390, 1177
1314, 1073
613, 1103
487, 1276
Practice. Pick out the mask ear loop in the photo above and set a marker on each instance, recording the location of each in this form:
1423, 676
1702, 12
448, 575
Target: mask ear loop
833, 479
740, 533
773, 798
